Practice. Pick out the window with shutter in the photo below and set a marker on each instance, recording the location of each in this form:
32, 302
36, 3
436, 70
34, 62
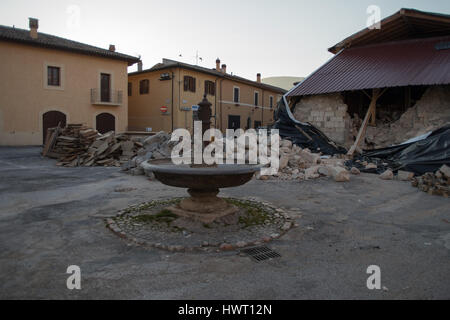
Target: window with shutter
189, 83
193, 84
210, 87
236, 95
144, 86
186, 83
53, 76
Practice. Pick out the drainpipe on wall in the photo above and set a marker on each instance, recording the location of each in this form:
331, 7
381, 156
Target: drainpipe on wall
262, 109
179, 95
221, 99
215, 102
179, 89
171, 105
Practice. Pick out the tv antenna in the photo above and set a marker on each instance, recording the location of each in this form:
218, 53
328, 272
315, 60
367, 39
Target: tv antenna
197, 57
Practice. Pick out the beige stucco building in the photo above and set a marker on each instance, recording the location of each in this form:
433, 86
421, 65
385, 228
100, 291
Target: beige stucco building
176, 86
46, 80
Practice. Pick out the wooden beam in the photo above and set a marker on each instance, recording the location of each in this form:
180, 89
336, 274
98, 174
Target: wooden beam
368, 95
51, 139
370, 113
373, 118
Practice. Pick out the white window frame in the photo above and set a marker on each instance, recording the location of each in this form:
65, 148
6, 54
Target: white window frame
239, 94
271, 102
62, 75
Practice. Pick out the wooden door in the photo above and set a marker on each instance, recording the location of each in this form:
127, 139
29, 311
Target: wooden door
51, 119
234, 122
105, 90
105, 122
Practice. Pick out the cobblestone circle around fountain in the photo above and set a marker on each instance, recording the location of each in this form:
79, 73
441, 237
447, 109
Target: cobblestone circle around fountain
151, 224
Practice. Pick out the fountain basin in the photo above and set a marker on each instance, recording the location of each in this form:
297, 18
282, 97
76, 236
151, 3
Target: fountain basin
203, 184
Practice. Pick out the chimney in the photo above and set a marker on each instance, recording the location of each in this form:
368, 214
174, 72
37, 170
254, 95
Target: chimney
218, 64
224, 68
112, 48
140, 66
258, 77
34, 25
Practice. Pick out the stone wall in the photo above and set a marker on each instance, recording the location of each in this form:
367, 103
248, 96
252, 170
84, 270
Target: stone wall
328, 113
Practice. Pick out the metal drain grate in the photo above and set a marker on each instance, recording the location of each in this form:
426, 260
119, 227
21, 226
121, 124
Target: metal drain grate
261, 253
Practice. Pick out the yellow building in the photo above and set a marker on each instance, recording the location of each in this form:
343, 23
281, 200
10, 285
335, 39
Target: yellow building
162, 97
46, 80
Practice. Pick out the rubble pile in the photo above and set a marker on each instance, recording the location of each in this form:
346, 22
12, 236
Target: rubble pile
369, 165
295, 163
301, 164
78, 145
154, 147
434, 183
432, 111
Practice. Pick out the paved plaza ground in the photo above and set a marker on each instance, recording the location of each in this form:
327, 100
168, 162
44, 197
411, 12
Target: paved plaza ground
52, 217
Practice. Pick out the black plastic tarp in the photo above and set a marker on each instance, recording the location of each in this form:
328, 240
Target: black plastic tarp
422, 156
302, 134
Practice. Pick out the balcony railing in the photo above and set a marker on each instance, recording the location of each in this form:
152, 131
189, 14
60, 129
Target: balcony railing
113, 98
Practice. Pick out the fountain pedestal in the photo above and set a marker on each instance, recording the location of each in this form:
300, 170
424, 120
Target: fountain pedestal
204, 206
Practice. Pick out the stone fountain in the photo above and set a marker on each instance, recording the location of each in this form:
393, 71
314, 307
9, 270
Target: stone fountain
202, 181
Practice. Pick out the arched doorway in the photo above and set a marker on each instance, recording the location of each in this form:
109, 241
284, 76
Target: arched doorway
51, 119
105, 122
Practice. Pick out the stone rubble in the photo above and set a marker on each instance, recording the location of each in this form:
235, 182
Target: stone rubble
405, 175
302, 164
154, 147
295, 163
429, 113
387, 175
330, 113
434, 183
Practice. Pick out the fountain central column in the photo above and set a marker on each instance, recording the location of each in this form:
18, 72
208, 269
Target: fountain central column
204, 206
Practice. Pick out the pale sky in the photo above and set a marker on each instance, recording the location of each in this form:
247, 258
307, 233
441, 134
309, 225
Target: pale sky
275, 38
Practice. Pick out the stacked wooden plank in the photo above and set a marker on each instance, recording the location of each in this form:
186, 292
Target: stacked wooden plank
78, 145
434, 183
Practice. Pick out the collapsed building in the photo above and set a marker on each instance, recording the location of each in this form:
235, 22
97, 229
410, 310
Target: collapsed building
382, 86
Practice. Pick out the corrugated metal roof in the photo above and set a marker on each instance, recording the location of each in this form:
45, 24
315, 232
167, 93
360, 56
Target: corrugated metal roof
394, 64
